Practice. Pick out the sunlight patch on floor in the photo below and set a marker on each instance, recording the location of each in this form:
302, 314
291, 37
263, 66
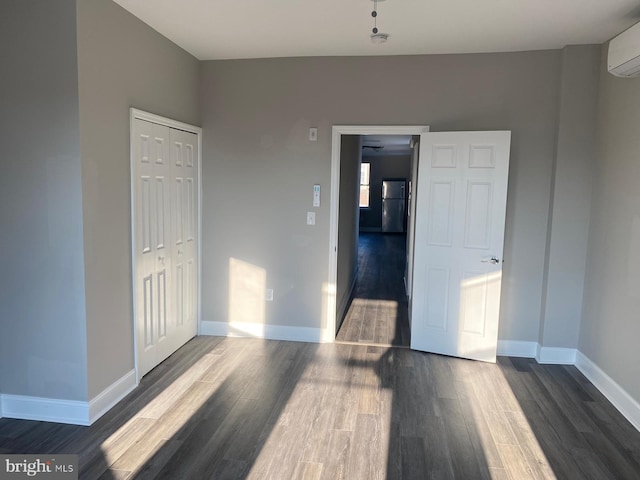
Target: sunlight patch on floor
505, 427
318, 404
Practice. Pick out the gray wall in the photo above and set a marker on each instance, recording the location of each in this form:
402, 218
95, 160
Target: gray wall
610, 327
350, 156
382, 167
256, 115
571, 197
122, 63
42, 309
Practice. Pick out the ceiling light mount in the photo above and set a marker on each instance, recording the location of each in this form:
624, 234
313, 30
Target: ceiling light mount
377, 36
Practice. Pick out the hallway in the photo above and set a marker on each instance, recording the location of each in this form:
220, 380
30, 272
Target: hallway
378, 313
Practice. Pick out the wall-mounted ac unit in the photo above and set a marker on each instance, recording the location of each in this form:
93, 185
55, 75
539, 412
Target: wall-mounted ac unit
624, 53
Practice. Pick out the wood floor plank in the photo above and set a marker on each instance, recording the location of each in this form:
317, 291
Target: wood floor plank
370, 397
366, 458
229, 470
589, 466
480, 434
347, 411
162, 402
515, 462
413, 454
152, 467
499, 474
94, 463
461, 447
335, 458
307, 471
556, 450
438, 457
617, 429
533, 453
610, 457
567, 404
175, 423
112, 474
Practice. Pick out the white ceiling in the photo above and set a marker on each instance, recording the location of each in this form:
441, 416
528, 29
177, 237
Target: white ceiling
224, 29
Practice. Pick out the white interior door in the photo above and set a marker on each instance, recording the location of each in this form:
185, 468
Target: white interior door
184, 155
152, 227
165, 232
460, 217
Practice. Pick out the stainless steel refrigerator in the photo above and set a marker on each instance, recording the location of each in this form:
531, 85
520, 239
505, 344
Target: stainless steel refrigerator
393, 206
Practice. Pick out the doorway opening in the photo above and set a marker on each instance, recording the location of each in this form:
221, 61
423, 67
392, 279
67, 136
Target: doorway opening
372, 231
378, 313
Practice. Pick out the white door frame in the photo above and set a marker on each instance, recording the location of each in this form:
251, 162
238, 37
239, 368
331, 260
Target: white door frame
134, 114
329, 334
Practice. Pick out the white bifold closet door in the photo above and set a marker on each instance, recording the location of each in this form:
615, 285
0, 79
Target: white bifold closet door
165, 240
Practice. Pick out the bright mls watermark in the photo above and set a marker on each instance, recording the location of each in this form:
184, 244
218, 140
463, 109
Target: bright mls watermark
51, 467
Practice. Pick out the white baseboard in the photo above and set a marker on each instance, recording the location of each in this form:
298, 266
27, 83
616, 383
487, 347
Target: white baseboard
517, 348
617, 395
74, 412
45, 409
259, 330
105, 400
556, 355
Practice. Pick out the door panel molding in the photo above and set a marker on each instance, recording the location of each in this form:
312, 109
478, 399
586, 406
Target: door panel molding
152, 152
460, 221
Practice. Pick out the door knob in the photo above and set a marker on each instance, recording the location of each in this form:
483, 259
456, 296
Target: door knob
494, 260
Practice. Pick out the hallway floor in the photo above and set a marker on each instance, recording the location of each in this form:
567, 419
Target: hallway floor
378, 314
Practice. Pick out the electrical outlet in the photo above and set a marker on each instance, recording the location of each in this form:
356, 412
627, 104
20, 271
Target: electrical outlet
311, 218
269, 295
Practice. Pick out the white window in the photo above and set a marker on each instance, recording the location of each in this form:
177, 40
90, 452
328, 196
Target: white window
365, 171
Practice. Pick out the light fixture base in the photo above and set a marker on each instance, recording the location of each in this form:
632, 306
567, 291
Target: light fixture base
379, 38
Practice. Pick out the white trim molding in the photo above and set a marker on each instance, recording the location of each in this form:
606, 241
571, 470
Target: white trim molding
556, 355
517, 348
617, 395
168, 122
330, 301
260, 330
543, 355
110, 396
73, 412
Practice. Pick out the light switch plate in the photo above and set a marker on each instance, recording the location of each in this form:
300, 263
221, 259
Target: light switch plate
269, 295
313, 134
311, 218
316, 195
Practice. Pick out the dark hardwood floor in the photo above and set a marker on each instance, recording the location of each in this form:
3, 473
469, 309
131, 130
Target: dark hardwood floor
378, 312
224, 408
